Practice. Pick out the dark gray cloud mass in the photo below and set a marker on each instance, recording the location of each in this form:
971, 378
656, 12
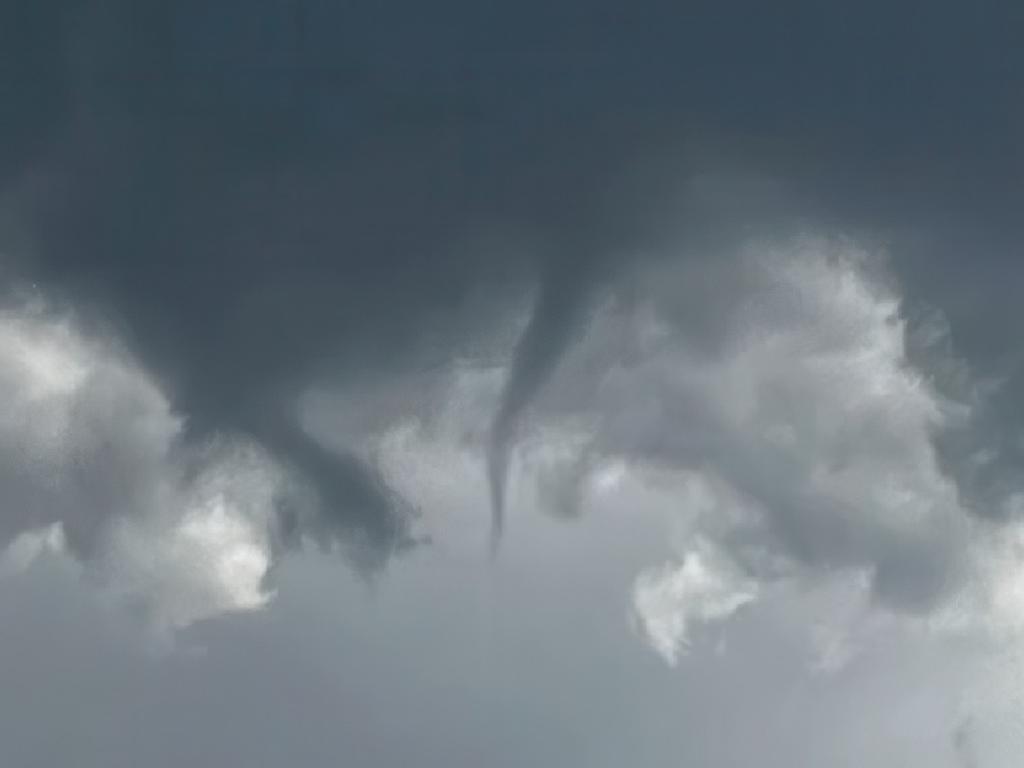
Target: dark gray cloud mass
268, 192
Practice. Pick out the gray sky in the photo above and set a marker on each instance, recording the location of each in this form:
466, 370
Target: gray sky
510, 384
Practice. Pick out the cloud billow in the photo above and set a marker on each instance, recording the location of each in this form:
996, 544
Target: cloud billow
708, 311
306, 196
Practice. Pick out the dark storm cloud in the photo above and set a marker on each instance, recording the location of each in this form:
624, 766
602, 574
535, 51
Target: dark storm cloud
268, 192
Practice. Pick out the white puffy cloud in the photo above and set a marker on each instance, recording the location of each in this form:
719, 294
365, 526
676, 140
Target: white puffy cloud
809, 407
93, 466
704, 587
207, 551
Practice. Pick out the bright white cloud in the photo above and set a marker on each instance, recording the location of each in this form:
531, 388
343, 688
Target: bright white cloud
93, 466
704, 587
207, 551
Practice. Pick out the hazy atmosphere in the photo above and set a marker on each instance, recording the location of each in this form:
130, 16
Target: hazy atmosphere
470, 384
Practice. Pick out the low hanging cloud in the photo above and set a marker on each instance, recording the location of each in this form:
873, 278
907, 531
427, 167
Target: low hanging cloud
774, 404
778, 388
308, 192
769, 400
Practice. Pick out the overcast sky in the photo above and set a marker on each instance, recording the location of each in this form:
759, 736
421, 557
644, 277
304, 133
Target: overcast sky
505, 384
